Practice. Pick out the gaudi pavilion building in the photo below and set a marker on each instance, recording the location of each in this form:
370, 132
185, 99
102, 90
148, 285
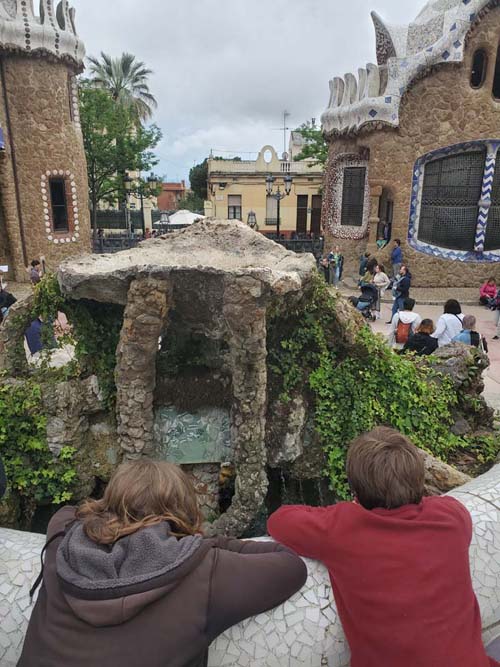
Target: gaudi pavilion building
43, 178
414, 143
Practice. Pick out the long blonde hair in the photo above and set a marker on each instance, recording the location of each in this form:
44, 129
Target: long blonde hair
140, 494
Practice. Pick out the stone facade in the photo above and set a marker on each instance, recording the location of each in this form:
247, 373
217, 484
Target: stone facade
43, 140
216, 281
439, 109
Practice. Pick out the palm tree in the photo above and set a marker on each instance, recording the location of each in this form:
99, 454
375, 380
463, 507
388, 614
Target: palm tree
126, 79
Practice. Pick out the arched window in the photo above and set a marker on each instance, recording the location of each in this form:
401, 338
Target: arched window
496, 78
450, 200
479, 66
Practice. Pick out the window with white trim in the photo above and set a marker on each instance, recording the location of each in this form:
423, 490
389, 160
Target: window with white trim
353, 196
234, 207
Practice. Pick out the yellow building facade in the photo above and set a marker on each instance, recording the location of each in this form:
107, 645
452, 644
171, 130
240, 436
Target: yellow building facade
237, 190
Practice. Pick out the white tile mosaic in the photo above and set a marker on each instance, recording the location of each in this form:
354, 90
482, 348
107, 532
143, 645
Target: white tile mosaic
436, 36
305, 631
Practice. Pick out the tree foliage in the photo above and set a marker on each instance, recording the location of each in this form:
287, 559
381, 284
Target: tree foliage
114, 144
316, 147
126, 80
191, 202
198, 177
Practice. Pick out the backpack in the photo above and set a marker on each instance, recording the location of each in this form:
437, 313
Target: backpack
479, 341
403, 332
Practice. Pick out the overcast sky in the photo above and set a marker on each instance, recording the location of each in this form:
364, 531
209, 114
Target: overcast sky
224, 70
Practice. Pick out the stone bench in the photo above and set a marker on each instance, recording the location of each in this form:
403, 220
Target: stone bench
305, 630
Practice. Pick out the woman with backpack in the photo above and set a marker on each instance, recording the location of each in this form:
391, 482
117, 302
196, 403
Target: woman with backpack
130, 580
449, 324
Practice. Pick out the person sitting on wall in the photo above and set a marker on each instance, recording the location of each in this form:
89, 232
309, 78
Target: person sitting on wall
396, 258
488, 292
421, 342
405, 323
41, 344
449, 324
469, 335
130, 580
398, 561
6, 301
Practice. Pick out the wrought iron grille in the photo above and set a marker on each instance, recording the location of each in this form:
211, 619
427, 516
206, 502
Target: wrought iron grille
492, 241
353, 196
450, 199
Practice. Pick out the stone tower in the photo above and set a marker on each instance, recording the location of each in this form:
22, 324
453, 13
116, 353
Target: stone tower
43, 177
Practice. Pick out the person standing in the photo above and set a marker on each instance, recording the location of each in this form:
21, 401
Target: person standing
401, 290
396, 258
381, 281
35, 272
336, 265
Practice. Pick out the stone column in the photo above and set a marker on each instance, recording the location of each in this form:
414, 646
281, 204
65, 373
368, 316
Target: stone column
144, 318
375, 195
246, 321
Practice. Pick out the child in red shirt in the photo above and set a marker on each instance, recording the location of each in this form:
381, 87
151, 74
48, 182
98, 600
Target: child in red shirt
398, 562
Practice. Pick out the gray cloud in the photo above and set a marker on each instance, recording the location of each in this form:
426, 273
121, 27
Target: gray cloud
224, 70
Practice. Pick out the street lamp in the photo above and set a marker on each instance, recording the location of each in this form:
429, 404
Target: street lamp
278, 195
127, 184
252, 220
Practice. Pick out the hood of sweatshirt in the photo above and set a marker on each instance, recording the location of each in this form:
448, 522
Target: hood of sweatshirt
109, 584
407, 317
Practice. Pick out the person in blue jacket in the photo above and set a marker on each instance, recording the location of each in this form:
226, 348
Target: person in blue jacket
396, 258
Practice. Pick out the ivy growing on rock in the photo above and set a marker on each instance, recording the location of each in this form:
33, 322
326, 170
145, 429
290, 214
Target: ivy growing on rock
95, 332
355, 382
35, 475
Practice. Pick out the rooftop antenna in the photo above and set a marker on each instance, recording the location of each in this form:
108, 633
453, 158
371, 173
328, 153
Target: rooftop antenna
284, 129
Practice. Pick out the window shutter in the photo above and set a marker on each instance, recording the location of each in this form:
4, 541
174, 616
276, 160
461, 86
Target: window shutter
353, 196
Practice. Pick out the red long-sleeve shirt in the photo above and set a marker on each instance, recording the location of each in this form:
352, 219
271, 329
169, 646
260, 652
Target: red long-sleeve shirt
401, 579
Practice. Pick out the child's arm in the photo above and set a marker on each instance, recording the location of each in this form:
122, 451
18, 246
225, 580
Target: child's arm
303, 529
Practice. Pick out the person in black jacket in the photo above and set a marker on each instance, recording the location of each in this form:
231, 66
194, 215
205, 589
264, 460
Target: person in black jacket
422, 341
401, 290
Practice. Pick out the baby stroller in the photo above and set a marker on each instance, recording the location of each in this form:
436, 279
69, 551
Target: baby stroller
366, 303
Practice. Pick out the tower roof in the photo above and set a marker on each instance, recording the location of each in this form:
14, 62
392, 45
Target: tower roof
51, 32
404, 53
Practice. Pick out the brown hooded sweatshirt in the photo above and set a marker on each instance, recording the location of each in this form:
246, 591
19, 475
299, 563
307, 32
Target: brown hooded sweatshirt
149, 600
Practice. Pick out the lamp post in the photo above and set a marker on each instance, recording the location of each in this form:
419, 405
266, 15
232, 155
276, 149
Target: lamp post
152, 185
127, 184
252, 220
278, 195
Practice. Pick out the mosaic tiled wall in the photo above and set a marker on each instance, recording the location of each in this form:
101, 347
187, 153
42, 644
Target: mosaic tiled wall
303, 632
478, 254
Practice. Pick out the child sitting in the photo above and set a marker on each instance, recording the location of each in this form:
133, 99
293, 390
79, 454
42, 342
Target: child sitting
398, 562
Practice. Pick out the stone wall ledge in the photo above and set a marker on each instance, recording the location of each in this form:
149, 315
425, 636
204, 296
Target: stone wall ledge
305, 630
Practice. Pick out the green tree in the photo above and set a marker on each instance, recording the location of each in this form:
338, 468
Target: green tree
198, 177
114, 144
191, 202
315, 146
126, 79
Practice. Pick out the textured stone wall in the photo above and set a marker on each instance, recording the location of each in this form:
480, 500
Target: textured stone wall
144, 319
439, 110
47, 140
